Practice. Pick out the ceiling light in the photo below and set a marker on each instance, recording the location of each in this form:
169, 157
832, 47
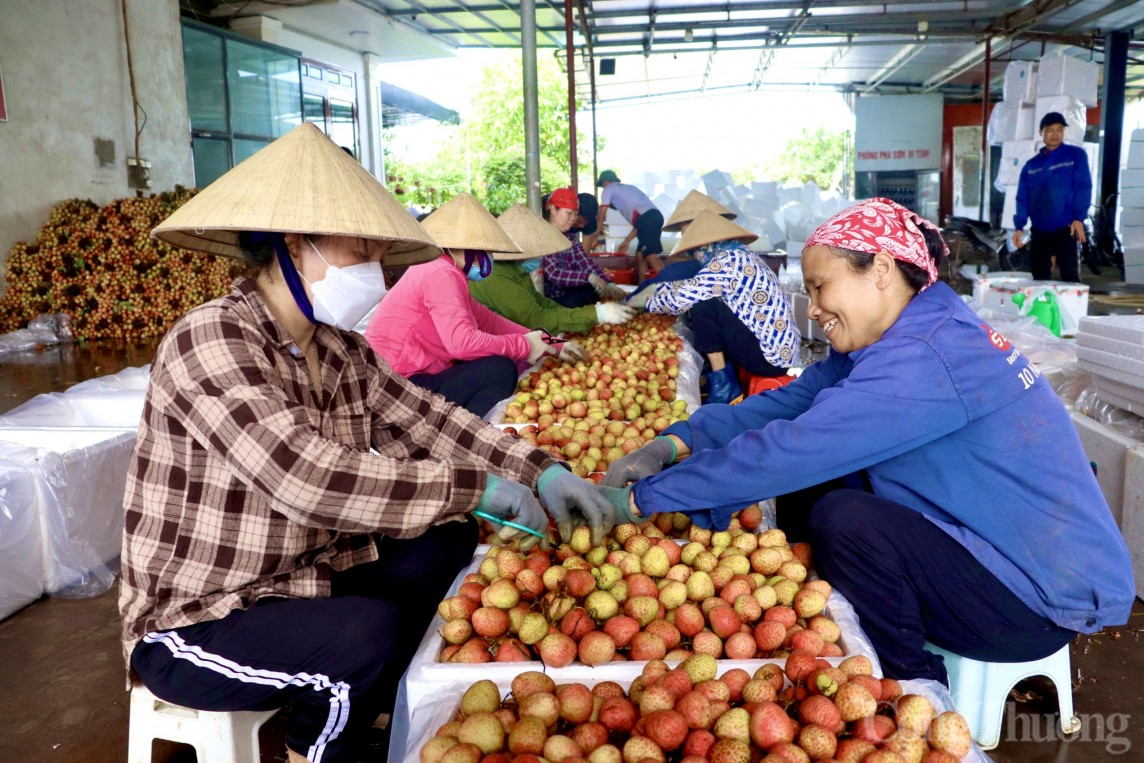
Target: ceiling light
923, 26
688, 34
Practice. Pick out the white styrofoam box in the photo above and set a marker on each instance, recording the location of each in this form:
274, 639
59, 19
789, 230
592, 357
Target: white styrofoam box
1128, 398
1130, 350
1133, 273
80, 474
1132, 236
1011, 121
716, 179
1073, 111
440, 707
1132, 518
1108, 449
1024, 122
1131, 177
119, 409
1132, 197
1136, 150
1131, 216
996, 290
1009, 210
1122, 328
1099, 361
808, 328
21, 542
425, 672
1020, 82
1066, 75
1014, 154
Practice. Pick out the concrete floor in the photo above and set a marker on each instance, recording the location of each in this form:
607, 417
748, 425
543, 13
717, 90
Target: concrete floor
61, 674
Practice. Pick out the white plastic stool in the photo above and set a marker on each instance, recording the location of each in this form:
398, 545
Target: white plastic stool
216, 737
980, 690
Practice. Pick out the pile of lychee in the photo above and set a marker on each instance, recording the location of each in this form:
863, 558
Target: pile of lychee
593, 412
733, 594
687, 715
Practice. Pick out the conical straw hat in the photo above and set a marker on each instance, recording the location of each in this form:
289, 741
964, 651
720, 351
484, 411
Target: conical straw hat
462, 223
707, 228
694, 203
535, 236
301, 183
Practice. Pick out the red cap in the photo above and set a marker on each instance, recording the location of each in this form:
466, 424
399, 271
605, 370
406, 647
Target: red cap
564, 198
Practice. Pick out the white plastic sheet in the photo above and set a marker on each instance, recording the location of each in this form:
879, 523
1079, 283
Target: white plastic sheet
21, 542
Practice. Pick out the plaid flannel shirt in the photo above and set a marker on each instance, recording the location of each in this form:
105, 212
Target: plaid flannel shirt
243, 486
569, 268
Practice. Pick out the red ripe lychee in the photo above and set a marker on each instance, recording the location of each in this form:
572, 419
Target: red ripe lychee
939, 756
781, 614
689, 619
750, 517
677, 681
590, 736
883, 756
740, 646
714, 690
531, 682
695, 709
647, 646
577, 623
873, 728
621, 628
579, 583
606, 689
858, 665
914, 713
596, 648
474, 650
891, 690
575, 702
820, 711
729, 751
617, 714
638, 749
807, 641
831, 650
667, 728
529, 584
912, 747
854, 702
853, 750
698, 742
736, 679
759, 690
512, 650
950, 733
448, 652
787, 752
773, 673
556, 650
799, 665
527, 736
656, 697
770, 725
666, 631
871, 684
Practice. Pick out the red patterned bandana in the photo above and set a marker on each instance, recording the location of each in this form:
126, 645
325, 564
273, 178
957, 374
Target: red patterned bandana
880, 225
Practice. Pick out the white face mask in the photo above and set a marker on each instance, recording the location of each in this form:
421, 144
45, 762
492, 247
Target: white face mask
345, 295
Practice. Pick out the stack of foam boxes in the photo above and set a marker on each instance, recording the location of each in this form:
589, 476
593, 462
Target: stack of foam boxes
1031, 90
1132, 210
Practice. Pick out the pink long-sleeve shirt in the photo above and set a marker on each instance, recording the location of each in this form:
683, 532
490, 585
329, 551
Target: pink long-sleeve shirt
428, 321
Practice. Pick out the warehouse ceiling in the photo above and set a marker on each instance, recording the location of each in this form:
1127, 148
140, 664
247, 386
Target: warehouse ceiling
678, 48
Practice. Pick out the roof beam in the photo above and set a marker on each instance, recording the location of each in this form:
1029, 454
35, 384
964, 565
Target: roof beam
900, 59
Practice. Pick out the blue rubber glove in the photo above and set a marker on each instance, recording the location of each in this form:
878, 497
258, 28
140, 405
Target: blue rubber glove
562, 493
511, 500
620, 498
648, 460
723, 386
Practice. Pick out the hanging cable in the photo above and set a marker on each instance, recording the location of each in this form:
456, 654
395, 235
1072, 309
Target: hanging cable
135, 107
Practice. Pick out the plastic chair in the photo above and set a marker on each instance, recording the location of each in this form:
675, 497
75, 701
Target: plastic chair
980, 690
216, 737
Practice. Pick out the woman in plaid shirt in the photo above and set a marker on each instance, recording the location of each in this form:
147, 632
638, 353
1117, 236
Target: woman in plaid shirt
295, 509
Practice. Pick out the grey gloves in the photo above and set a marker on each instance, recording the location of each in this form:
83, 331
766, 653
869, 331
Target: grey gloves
620, 498
511, 500
648, 460
562, 492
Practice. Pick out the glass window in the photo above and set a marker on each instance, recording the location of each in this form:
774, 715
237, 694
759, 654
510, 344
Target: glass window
343, 129
265, 90
314, 110
206, 83
245, 148
212, 159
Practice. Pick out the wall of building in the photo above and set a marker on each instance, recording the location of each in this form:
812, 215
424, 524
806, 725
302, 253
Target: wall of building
70, 127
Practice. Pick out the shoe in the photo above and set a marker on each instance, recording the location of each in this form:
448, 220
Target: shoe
723, 386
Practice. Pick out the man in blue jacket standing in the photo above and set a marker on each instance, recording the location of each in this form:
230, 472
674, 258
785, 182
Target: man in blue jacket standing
1055, 191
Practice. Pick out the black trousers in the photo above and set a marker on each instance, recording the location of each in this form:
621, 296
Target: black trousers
649, 229
338, 660
718, 329
578, 296
1047, 244
911, 583
475, 385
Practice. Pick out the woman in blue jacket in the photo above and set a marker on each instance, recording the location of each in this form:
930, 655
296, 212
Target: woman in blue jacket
936, 473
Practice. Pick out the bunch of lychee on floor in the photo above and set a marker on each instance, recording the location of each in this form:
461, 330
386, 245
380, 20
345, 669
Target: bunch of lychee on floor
686, 715
733, 594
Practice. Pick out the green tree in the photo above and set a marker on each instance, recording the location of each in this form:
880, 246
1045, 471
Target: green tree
818, 155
